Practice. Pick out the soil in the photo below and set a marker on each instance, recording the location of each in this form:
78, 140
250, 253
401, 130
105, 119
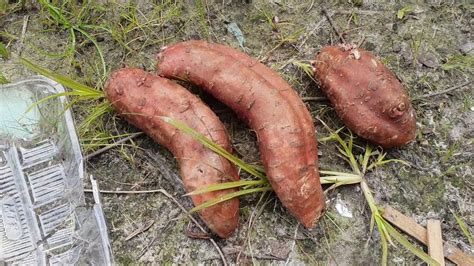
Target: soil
428, 46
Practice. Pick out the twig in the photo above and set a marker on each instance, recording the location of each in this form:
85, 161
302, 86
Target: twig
292, 244
316, 99
361, 12
444, 91
169, 196
326, 13
108, 147
255, 213
310, 6
140, 230
317, 26
23, 32
126, 191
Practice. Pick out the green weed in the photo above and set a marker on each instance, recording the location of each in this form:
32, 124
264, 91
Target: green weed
3, 79
459, 62
403, 12
3, 51
73, 24
464, 229
202, 16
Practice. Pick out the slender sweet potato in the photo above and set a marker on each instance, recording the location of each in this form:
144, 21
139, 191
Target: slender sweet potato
142, 98
300, 110
291, 166
366, 95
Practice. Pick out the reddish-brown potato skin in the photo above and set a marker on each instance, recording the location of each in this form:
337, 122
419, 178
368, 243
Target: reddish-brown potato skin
291, 166
366, 95
300, 110
142, 98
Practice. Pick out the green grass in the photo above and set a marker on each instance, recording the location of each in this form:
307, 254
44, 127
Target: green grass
3, 51
404, 11
73, 23
92, 133
464, 228
459, 62
3, 79
307, 68
415, 44
202, 17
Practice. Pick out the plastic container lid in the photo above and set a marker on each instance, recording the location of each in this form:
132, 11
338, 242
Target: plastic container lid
44, 217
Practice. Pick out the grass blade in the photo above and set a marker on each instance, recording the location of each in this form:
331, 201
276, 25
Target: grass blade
227, 185
97, 47
3, 79
464, 228
404, 242
340, 180
216, 148
77, 88
97, 111
384, 241
229, 196
3, 51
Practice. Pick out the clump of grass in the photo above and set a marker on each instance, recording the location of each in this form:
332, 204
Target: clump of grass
360, 165
92, 134
287, 36
459, 62
306, 67
79, 90
73, 24
404, 11
3, 79
415, 44
5, 54
202, 16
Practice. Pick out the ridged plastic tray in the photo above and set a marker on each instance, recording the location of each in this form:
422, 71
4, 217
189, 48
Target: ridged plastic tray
44, 216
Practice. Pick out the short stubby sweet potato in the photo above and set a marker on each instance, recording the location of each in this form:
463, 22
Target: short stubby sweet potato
143, 99
366, 95
287, 145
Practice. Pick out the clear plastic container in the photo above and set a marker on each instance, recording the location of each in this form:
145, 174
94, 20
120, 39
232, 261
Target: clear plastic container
44, 217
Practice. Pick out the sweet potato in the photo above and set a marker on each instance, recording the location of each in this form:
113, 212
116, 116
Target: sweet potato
142, 98
366, 95
301, 112
277, 119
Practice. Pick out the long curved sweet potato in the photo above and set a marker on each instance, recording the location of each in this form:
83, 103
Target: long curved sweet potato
142, 98
366, 95
291, 166
272, 77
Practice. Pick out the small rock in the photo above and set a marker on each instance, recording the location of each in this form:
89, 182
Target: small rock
234, 29
456, 133
369, 46
280, 231
342, 209
396, 48
467, 48
428, 60
278, 249
389, 26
